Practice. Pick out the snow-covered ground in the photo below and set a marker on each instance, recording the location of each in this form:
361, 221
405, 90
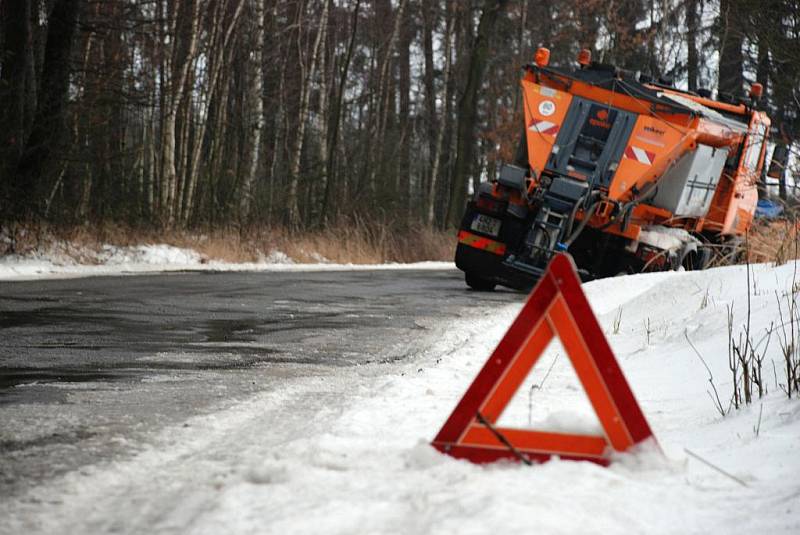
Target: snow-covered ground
114, 260
346, 451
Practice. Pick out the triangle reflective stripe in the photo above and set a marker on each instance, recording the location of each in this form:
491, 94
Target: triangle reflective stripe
640, 155
541, 442
591, 378
556, 307
544, 127
512, 378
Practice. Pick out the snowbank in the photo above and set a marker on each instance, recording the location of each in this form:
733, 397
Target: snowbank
347, 451
113, 260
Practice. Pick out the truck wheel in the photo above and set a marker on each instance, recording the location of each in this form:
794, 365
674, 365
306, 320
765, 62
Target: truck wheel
478, 284
697, 260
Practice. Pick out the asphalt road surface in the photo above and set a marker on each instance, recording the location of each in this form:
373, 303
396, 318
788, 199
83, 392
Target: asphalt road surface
91, 367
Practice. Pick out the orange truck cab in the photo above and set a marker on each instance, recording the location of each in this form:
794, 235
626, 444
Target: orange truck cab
624, 173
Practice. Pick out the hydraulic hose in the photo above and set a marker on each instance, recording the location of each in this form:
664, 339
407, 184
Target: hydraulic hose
646, 194
581, 202
626, 210
582, 225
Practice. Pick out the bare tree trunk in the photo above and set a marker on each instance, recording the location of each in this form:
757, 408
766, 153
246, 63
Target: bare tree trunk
16, 55
429, 16
692, 60
217, 158
47, 132
256, 100
384, 98
522, 45
403, 182
179, 66
324, 97
185, 125
153, 157
280, 140
437, 158
82, 209
220, 47
468, 112
160, 52
169, 114
731, 64
293, 214
337, 114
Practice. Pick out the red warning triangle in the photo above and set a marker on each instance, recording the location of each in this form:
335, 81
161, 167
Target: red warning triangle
557, 306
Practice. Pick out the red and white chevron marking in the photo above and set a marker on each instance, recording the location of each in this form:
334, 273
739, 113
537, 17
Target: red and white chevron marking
640, 155
544, 127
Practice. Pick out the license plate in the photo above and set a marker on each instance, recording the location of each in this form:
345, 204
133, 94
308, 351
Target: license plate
486, 225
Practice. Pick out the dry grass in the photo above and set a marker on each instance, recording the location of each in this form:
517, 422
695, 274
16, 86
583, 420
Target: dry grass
343, 244
356, 244
773, 241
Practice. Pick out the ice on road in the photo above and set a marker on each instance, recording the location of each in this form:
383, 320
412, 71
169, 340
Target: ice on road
347, 450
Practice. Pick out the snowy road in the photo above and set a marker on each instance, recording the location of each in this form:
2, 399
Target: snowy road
305, 403
91, 368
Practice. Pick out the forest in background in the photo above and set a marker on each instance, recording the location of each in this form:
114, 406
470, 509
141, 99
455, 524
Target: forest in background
307, 114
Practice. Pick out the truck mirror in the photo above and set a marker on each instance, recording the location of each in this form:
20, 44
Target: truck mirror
780, 159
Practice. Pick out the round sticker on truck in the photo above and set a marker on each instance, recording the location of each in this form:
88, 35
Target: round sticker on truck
547, 108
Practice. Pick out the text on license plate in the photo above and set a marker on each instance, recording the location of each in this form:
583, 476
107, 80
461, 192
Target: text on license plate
486, 225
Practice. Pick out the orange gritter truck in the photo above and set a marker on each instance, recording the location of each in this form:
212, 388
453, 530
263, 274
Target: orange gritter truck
624, 173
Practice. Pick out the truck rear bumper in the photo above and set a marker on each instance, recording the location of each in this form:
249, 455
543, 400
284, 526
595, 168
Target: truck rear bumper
492, 267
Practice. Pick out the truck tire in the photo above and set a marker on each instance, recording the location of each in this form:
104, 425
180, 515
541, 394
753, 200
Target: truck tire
697, 260
479, 284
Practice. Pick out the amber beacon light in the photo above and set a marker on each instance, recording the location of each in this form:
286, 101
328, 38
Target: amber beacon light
542, 57
756, 90
585, 57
